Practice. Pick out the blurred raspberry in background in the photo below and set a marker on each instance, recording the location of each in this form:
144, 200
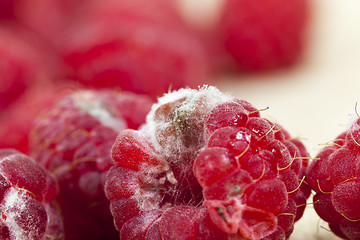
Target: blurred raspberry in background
16, 121
141, 46
21, 65
250, 35
263, 35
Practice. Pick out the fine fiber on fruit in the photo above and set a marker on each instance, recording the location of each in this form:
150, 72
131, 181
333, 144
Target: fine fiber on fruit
334, 177
27, 200
206, 166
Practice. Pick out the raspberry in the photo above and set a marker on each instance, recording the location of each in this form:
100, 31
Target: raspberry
16, 121
206, 166
47, 19
73, 140
143, 49
334, 178
27, 199
263, 35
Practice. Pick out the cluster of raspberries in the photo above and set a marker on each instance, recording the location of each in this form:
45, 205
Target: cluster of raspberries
197, 164
102, 161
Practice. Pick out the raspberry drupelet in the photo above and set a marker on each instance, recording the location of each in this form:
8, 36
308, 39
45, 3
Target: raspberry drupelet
27, 200
334, 178
206, 166
73, 140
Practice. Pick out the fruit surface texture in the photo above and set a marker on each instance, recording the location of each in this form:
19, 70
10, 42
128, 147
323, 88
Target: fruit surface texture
206, 166
27, 195
73, 140
334, 178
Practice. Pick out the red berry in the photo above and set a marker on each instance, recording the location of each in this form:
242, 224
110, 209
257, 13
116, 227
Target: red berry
325, 209
27, 205
73, 140
47, 19
345, 197
263, 35
206, 166
143, 49
16, 121
334, 178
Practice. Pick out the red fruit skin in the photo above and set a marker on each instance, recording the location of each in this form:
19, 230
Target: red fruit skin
27, 199
17, 121
131, 231
335, 228
318, 175
334, 177
46, 19
73, 139
350, 229
116, 45
215, 163
345, 199
28, 72
7, 9
20, 65
212, 166
264, 35
325, 209
130, 145
286, 217
179, 219
267, 191
115, 10
206, 229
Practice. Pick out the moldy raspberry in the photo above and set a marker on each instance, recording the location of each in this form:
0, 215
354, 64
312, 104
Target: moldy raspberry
206, 166
27, 200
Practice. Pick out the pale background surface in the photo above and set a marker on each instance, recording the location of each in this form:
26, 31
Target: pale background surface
315, 100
